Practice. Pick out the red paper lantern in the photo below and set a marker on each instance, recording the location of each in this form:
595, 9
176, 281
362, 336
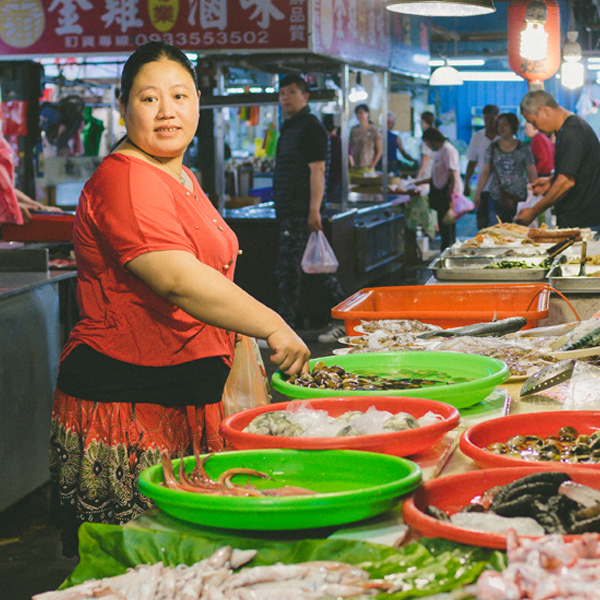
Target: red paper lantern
534, 71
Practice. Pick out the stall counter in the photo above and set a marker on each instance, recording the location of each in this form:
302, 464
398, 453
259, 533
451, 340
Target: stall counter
37, 310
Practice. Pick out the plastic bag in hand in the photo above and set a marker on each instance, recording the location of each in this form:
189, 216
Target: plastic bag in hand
461, 205
247, 384
318, 256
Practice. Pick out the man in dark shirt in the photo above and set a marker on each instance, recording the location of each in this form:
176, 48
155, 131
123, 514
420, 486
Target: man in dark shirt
298, 189
574, 189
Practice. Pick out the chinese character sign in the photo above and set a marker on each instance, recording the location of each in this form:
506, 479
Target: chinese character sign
364, 31
54, 27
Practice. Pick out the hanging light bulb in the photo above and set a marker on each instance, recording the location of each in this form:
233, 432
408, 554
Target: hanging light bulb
445, 75
358, 92
572, 72
534, 39
442, 8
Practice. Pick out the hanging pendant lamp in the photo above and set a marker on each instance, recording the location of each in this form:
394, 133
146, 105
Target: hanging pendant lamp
442, 8
445, 75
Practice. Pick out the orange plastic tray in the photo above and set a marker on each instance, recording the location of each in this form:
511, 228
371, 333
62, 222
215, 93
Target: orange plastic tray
446, 305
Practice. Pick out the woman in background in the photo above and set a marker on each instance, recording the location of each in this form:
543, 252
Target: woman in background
365, 142
509, 162
445, 179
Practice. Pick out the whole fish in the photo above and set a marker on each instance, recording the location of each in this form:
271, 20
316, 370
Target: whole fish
492, 329
589, 340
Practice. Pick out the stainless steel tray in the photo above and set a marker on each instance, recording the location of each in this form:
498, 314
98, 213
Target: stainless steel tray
471, 268
564, 277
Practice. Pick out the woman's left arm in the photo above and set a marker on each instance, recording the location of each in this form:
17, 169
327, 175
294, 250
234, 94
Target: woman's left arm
531, 173
378, 152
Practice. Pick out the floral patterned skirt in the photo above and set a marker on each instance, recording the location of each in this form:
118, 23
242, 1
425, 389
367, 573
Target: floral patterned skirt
98, 450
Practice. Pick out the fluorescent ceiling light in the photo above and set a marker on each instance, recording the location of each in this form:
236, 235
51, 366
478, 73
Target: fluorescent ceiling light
457, 62
594, 59
442, 8
490, 76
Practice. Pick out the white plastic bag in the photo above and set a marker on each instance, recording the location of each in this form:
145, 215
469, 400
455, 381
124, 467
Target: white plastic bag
247, 384
319, 256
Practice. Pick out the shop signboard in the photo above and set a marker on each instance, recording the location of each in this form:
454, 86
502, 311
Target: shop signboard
364, 31
69, 27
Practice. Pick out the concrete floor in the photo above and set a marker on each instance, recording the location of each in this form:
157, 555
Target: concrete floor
31, 558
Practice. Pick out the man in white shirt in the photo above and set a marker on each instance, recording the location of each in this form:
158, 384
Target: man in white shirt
480, 142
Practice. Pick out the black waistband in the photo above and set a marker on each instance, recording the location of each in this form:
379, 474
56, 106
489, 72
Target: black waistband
89, 375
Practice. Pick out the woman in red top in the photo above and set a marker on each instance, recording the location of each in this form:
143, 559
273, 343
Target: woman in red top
542, 149
144, 369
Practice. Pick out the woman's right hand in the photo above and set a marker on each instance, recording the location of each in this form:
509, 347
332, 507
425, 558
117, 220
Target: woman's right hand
290, 353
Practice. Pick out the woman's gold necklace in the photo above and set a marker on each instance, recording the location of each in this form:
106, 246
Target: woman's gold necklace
157, 159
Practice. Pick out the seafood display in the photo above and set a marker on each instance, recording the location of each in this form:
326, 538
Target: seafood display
199, 482
501, 234
526, 352
566, 446
336, 378
308, 422
543, 502
215, 578
547, 567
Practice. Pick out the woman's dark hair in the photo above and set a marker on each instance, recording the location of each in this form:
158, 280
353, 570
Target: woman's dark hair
432, 134
148, 53
511, 119
428, 117
361, 107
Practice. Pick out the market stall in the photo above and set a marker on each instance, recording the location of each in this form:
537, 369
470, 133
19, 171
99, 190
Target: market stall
508, 253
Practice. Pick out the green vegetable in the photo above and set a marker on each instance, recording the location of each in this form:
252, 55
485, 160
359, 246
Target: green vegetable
433, 566
427, 567
514, 264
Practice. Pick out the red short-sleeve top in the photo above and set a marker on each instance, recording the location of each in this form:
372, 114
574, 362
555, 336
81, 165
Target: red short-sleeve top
128, 208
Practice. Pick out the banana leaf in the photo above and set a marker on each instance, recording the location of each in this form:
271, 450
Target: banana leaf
434, 565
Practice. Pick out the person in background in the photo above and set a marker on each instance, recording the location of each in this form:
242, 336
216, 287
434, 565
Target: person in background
144, 369
445, 179
572, 190
508, 166
15, 206
298, 190
394, 145
542, 149
333, 188
365, 142
424, 172
480, 142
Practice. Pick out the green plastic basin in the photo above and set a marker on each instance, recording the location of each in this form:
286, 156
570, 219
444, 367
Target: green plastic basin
483, 374
351, 485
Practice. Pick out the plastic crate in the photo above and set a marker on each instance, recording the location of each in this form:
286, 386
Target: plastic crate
446, 305
42, 228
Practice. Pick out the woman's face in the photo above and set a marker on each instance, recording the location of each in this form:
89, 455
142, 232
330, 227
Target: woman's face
163, 110
362, 115
504, 129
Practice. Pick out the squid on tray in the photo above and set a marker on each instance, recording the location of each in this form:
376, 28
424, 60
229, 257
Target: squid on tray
214, 579
546, 568
199, 482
